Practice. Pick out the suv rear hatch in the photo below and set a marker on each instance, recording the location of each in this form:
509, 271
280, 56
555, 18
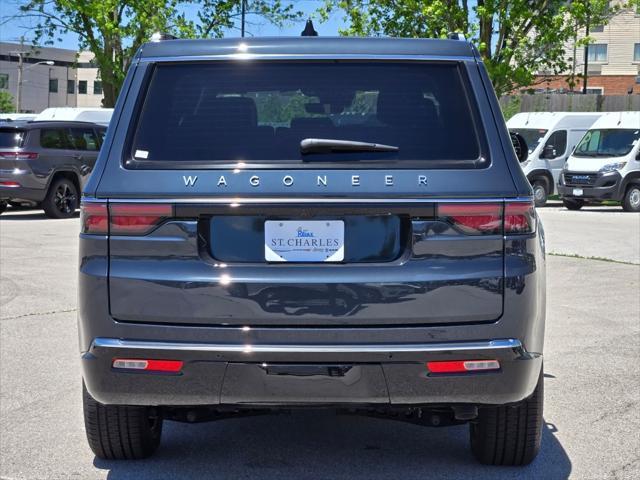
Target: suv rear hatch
222, 217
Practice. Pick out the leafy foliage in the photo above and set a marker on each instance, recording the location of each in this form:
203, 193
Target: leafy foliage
515, 38
113, 30
7, 105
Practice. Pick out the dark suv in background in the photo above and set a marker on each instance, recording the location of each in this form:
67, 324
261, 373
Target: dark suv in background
47, 163
309, 222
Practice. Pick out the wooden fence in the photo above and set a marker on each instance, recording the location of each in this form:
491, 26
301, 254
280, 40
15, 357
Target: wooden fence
555, 102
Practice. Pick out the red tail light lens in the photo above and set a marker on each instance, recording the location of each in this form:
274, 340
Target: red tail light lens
19, 155
519, 217
473, 218
94, 218
9, 184
137, 219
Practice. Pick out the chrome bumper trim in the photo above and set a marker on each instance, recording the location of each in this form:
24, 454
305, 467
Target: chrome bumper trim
492, 345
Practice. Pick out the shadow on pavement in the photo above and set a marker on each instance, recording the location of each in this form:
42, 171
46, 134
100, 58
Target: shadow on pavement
323, 445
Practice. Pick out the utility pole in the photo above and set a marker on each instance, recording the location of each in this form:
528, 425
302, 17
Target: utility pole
19, 92
243, 13
585, 74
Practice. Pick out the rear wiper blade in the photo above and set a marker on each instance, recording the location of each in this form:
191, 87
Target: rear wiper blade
330, 145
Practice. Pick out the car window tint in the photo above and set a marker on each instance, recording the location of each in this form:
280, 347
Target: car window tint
261, 111
54, 138
11, 138
559, 141
84, 139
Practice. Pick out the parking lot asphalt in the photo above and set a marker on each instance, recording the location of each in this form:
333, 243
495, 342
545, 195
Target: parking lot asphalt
592, 380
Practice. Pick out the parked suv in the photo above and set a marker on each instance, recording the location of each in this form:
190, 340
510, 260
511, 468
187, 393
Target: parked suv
47, 163
309, 222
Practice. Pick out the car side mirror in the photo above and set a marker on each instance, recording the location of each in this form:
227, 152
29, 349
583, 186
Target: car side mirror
520, 146
549, 151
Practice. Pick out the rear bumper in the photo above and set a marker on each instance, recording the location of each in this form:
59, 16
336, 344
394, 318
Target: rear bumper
28, 189
369, 374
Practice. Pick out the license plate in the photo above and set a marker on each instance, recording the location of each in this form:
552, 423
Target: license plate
304, 241
577, 192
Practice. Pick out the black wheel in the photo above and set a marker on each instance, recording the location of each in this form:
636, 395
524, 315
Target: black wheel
3, 206
509, 435
540, 193
631, 200
61, 200
572, 203
117, 432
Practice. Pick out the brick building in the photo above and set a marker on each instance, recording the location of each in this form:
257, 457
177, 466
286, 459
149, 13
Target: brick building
613, 60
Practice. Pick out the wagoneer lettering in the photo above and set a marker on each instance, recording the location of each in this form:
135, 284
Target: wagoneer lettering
359, 235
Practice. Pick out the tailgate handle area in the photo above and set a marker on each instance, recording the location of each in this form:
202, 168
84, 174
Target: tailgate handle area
306, 370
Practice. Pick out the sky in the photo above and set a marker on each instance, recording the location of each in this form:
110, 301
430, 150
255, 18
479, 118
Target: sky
12, 30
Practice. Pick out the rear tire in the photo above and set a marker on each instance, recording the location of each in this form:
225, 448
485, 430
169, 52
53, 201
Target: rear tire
631, 200
572, 203
61, 200
540, 193
509, 435
3, 206
117, 432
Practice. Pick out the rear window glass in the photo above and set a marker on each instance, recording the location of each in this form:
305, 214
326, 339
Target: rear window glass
11, 138
260, 112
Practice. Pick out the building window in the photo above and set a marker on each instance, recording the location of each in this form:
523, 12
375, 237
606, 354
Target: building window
636, 52
82, 87
71, 86
598, 52
97, 87
53, 85
4, 81
596, 90
597, 29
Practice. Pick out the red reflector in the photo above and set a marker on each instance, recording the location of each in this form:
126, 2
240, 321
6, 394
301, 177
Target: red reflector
94, 218
172, 366
137, 219
519, 217
9, 184
19, 155
463, 366
473, 218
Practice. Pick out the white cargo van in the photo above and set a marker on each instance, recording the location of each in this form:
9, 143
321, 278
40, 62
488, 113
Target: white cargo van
101, 116
550, 137
606, 164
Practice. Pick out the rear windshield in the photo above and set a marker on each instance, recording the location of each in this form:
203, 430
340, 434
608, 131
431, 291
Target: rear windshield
11, 138
260, 112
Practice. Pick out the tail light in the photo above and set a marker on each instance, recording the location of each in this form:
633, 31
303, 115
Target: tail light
123, 218
489, 218
19, 155
9, 184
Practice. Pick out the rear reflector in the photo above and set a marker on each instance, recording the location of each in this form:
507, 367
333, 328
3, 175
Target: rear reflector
9, 184
19, 155
171, 366
463, 366
137, 219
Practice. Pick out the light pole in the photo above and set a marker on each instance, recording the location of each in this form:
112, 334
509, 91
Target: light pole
21, 68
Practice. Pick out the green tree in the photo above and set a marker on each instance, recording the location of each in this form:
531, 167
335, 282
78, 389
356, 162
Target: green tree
515, 38
7, 105
113, 30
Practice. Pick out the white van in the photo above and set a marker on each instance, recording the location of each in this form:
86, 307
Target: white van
101, 116
606, 164
550, 137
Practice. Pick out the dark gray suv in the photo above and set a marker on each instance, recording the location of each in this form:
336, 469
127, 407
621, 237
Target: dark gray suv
47, 163
308, 222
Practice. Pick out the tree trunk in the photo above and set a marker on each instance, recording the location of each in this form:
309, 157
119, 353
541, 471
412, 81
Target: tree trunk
110, 94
